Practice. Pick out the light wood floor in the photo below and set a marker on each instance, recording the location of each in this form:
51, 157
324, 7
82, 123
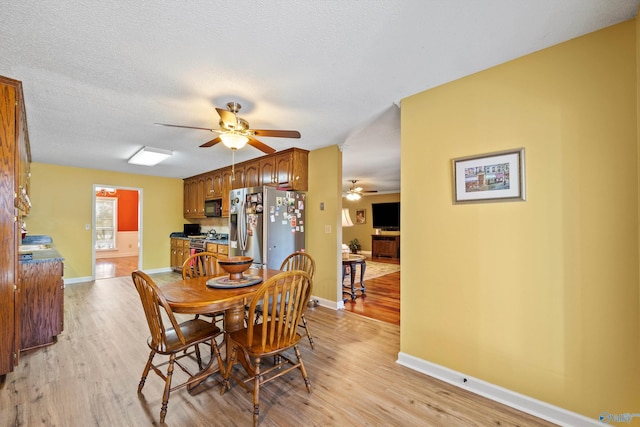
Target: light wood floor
90, 376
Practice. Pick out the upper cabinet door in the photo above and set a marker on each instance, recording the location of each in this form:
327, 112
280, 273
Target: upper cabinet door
267, 170
283, 169
252, 174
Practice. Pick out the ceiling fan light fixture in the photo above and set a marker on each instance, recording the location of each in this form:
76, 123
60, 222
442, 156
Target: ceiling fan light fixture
353, 196
149, 156
234, 141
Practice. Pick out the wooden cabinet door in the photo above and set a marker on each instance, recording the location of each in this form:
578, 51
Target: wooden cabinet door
208, 187
213, 185
200, 195
283, 164
175, 260
42, 303
238, 177
23, 202
186, 201
194, 197
226, 188
9, 295
217, 185
267, 170
252, 174
184, 253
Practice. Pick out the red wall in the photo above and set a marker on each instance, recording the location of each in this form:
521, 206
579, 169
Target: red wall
127, 209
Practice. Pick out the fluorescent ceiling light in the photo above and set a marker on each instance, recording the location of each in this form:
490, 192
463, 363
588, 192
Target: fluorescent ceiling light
149, 156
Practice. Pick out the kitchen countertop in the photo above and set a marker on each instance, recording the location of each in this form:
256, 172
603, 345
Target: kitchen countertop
43, 255
183, 237
40, 248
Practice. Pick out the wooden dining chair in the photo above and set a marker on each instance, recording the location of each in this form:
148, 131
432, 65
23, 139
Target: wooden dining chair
290, 291
296, 261
301, 261
203, 264
173, 340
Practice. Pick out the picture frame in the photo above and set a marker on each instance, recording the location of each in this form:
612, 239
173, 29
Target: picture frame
361, 216
489, 177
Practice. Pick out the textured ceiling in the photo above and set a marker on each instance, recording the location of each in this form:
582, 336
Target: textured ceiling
97, 75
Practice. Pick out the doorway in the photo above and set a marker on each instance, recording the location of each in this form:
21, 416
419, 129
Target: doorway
116, 231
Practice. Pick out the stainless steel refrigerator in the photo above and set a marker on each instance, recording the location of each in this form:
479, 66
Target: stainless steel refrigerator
266, 224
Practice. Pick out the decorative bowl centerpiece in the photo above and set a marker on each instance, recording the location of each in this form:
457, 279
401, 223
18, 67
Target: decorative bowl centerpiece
235, 266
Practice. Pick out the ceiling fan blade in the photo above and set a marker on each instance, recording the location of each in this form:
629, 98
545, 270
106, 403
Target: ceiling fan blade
260, 146
186, 127
227, 117
211, 143
276, 133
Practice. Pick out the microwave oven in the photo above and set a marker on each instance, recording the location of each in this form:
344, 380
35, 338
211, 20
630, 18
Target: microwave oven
213, 208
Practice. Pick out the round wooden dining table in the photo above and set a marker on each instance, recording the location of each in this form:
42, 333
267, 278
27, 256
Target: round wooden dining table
193, 296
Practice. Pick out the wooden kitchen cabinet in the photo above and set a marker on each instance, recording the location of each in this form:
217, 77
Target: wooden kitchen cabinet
252, 174
180, 251
14, 168
238, 177
213, 185
42, 303
385, 246
193, 203
287, 169
218, 248
226, 188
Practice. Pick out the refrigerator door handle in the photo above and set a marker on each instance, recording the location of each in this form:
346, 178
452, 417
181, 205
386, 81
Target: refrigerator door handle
242, 228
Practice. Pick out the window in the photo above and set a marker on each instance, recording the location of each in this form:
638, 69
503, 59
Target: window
106, 222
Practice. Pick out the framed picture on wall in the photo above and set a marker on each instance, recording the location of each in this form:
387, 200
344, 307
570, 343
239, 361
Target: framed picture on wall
361, 216
491, 177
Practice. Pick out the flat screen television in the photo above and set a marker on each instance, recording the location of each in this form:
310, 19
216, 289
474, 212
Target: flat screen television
386, 216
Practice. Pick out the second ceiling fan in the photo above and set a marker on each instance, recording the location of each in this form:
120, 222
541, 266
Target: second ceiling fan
235, 131
355, 193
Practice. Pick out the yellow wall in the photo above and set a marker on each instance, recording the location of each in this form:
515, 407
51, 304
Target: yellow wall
363, 232
62, 204
540, 297
325, 177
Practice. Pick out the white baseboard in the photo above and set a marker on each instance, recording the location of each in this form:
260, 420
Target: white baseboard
89, 279
77, 280
510, 398
328, 304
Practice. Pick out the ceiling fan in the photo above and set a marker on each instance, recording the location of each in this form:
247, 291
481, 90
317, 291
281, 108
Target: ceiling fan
235, 131
355, 193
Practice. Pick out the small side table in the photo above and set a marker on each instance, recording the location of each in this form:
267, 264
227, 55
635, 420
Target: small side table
353, 261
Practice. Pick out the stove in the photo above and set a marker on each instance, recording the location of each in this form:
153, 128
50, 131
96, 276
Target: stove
198, 243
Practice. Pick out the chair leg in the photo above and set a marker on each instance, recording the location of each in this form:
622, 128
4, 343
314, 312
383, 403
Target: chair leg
256, 394
198, 357
215, 352
167, 389
227, 373
307, 383
145, 372
306, 328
